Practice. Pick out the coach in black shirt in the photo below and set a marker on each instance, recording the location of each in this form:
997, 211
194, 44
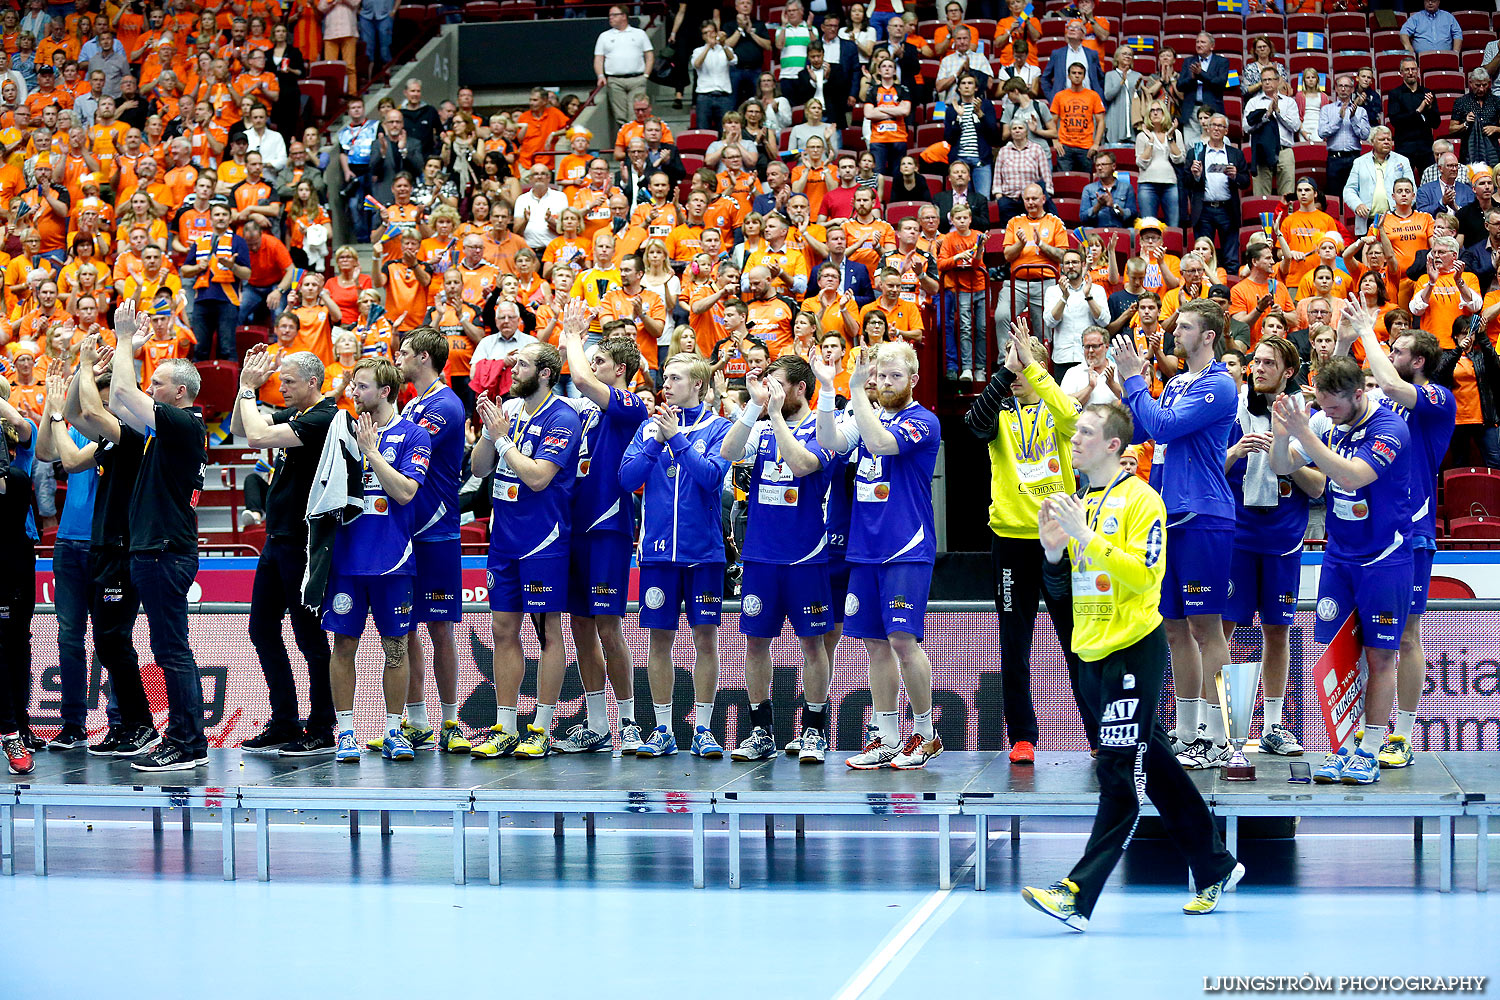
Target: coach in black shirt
1411, 111
164, 529
297, 432
113, 601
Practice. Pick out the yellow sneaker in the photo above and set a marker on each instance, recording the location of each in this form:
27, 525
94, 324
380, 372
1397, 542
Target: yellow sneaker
453, 739
1207, 899
1395, 752
537, 744
420, 739
500, 744
1057, 900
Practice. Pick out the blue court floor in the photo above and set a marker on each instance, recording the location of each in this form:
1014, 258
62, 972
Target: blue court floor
128, 912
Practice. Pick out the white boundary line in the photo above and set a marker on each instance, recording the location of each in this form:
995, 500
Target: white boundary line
870, 970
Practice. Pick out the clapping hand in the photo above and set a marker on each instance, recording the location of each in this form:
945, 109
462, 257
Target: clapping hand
492, 418
366, 435
824, 372
1128, 360
255, 370
1289, 416
667, 424
1069, 513
759, 394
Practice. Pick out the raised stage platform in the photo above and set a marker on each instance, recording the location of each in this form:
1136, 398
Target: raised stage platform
1442, 786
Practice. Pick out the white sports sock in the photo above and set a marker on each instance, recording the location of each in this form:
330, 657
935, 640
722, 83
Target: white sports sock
1359, 723
703, 714
1273, 712
598, 710
626, 707
1215, 720
505, 718
416, 714
344, 721
392, 723
922, 724
450, 712
888, 724
543, 720
1405, 723
1187, 719
1374, 736
663, 715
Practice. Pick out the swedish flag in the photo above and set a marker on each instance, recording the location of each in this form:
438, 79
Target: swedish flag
1268, 223
1231, 6
1233, 79
1141, 43
1310, 41
1081, 235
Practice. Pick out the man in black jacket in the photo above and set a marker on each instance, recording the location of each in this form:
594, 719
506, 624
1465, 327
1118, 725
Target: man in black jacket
834, 80
1217, 173
1412, 113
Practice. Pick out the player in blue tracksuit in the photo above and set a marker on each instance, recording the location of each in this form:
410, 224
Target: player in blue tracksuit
892, 545
786, 549
531, 445
603, 529
1266, 570
1190, 424
1430, 412
372, 563
676, 458
1367, 567
438, 584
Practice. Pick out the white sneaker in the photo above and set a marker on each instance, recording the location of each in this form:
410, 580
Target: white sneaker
630, 739
967, 375
1203, 754
875, 755
812, 747
917, 752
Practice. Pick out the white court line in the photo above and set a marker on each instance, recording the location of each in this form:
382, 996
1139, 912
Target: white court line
898, 939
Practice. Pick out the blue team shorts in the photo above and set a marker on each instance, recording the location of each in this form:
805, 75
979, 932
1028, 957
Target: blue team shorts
887, 598
537, 585
1421, 573
599, 574
438, 586
1265, 583
666, 587
1379, 594
772, 594
1197, 576
349, 600
838, 585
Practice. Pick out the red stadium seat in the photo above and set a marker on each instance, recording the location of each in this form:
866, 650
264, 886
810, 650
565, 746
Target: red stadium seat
994, 242
221, 383
334, 75
1175, 8
1046, 46
1387, 41
1445, 82
1265, 24
1471, 20
1344, 21
1389, 62
930, 134
1182, 44
1252, 206
1432, 62
517, 10
695, 140
246, 337
1247, 233
255, 537
897, 211
1125, 158
1305, 22
1136, 25
1182, 24
1300, 61
316, 94
1350, 62
482, 10
1471, 492
1474, 527
1445, 104
1069, 184
1068, 209
1349, 41
1223, 25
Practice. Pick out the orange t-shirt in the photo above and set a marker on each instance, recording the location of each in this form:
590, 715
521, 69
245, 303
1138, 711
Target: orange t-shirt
1246, 293
904, 320
771, 321
449, 321
316, 332
1075, 113
1048, 230
889, 129
657, 220
1466, 392
154, 352
968, 277
1407, 236
616, 304
1443, 305
595, 208
539, 128
869, 242
1003, 29
1303, 231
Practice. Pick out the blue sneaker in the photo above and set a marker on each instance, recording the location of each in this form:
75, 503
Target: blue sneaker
1362, 769
661, 743
348, 749
1331, 771
704, 745
397, 746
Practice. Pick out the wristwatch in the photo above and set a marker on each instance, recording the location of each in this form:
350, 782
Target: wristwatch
247, 394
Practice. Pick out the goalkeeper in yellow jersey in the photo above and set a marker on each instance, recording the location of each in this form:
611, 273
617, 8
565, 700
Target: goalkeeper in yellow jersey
1115, 537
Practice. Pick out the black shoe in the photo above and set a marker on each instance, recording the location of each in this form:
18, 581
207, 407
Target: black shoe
271, 738
170, 757
137, 741
309, 745
109, 745
31, 740
70, 738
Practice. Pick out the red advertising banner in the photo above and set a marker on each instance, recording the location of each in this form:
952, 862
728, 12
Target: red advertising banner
1336, 679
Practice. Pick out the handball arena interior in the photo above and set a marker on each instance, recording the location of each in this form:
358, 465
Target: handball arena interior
304, 876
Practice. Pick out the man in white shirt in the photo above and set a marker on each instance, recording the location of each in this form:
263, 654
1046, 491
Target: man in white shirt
538, 209
962, 57
1071, 306
265, 141
622, 61
1272, 102
1095, 380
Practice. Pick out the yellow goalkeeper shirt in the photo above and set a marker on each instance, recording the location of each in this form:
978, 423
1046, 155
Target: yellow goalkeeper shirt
1031, 457
1117, 576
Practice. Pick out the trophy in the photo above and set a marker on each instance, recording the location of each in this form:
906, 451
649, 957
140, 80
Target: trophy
1237, 684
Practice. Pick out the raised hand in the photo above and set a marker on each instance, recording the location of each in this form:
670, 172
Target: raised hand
777, 393
759, 393
666, 422
366, 435
824, 372
256, 369
1128, 360
492, 418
